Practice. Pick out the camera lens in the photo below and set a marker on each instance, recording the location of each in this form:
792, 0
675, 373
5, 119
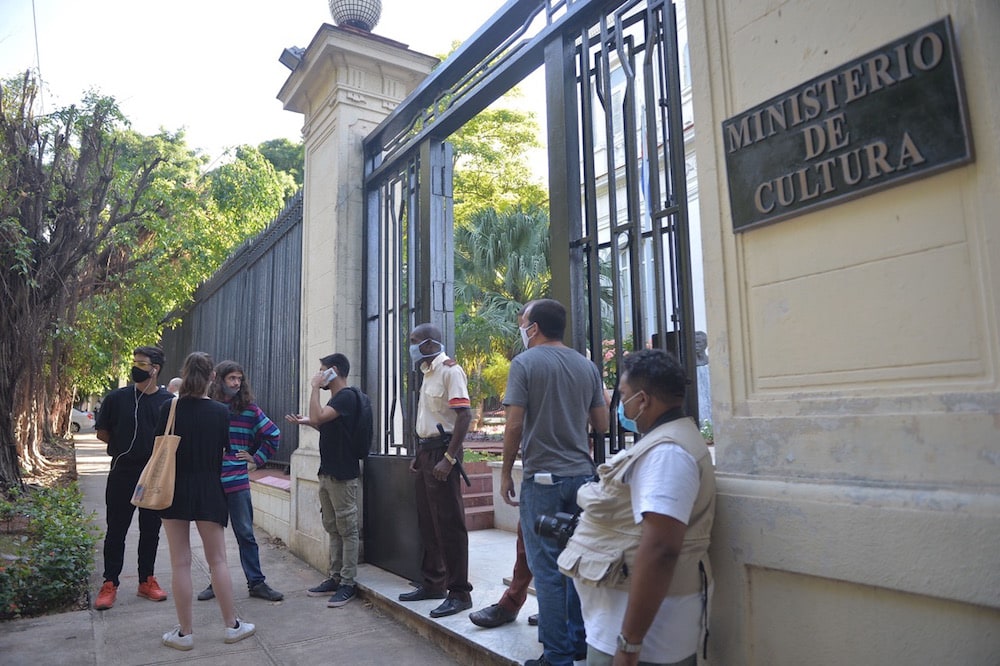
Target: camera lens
546, 526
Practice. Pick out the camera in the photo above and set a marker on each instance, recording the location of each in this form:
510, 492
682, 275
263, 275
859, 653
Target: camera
559, 527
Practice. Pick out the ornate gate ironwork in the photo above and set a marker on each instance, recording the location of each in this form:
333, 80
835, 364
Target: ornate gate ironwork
618, 211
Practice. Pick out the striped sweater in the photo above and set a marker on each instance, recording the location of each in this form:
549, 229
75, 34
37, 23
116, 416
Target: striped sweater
246, 429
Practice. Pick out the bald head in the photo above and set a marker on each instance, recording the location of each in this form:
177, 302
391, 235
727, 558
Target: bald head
426, 331
425, 342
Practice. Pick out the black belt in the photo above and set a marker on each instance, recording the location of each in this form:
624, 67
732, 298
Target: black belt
434, 442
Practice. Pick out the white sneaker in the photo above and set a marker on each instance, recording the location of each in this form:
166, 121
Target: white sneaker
175, 640
242, 630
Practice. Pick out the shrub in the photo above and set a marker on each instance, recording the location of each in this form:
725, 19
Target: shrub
707, 433
472, 455
53, 560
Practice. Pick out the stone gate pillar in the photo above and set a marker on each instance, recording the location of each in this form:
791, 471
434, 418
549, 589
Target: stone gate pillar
345, 83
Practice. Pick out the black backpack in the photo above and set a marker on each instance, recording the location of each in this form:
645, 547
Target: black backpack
361, 438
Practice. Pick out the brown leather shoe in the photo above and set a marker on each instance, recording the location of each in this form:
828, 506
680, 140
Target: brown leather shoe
492, 616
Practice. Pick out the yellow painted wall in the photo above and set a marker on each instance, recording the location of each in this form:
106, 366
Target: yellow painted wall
855, 366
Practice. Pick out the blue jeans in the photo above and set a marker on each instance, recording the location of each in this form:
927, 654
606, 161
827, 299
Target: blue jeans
241, 517
560, 622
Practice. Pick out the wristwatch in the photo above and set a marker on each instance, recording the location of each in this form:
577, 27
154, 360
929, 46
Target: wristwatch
450, 458
626, 647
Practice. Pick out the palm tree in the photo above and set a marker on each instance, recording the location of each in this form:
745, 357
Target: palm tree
501, 263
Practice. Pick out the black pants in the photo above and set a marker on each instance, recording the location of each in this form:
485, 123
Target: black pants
117, 496
441, 519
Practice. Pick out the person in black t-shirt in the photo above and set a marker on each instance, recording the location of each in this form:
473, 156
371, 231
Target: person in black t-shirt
126, 423
338, 474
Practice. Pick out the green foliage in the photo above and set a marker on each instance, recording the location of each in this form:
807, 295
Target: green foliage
250, 190
494, 374
202, 218
501, 239
159, 264
610, 358
103, 233
706, 432
501, 263
471, 455
54, 562
16, 250
491, 164
286, 157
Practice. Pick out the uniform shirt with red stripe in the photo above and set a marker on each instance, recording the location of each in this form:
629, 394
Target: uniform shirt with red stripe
445, 388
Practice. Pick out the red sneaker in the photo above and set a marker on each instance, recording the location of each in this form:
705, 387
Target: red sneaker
106, 597
151, 590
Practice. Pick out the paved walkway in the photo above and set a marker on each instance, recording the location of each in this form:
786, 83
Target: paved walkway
375, 629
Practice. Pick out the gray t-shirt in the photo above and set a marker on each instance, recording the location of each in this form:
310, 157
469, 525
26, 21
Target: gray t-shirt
557, 386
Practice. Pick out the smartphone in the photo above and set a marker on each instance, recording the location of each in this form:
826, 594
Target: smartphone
544, 478
329, 375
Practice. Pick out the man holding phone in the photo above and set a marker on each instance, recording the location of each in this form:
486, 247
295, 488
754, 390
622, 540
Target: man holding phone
338, 475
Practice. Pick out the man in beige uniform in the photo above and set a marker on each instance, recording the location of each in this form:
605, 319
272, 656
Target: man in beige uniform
444, 402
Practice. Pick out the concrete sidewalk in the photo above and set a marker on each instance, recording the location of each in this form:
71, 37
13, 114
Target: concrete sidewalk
374, 629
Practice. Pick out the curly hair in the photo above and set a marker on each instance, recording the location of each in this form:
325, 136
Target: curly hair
244, 396
657, 372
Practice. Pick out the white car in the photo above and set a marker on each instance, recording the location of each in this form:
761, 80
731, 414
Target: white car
81, 421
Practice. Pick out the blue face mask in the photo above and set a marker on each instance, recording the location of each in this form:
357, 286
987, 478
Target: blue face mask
626, 422
416, 355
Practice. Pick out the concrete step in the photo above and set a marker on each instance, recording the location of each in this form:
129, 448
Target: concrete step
479, 518
477, 499
481, 483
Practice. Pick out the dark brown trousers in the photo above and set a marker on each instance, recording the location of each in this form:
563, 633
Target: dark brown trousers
441, 520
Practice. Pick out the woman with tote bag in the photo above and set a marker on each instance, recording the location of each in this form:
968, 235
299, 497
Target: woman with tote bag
203, 427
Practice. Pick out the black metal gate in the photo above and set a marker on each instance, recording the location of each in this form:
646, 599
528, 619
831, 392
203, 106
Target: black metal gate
249, 312
618, 217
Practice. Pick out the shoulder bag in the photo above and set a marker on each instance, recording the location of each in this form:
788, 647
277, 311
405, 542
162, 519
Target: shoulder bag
155, 489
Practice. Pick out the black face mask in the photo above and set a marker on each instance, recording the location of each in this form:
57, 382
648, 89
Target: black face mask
139, 375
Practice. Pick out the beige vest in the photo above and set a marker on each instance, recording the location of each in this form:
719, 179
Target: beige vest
602, 549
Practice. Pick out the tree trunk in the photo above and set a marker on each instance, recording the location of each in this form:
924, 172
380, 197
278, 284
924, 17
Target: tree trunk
30, 397
10, 468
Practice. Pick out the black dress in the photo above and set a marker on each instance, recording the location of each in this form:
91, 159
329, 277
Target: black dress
203, 426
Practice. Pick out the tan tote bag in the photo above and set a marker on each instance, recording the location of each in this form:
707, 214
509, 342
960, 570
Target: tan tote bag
155, 489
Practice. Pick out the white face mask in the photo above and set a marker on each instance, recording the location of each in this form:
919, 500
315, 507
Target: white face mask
524, 334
